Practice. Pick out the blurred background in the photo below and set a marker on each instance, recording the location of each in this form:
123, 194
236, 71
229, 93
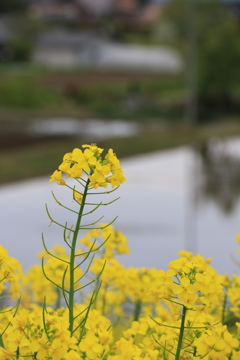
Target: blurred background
138, 76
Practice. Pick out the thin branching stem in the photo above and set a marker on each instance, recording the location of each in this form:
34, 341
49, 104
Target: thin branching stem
55, 222
92, 300
15, 312
75, 317
94, 209
164, 347
103, 204
73, 188
63, 287
84, 286
92, 250
86, 271
66, 236
177, 327
44, 319
82, 180
5, 277
48, 278
60, 204
99, 227
93, 223
104, 192
49, 253
83, 322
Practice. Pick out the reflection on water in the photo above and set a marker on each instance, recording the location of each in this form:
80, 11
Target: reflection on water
90, 128
219, 174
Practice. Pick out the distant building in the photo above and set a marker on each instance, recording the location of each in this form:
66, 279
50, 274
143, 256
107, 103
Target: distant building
67, 50
95, 8
53, 10
87, 11
125, 6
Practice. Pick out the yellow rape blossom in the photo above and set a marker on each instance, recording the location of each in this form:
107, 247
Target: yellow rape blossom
83, 159
117, 178
57, 176
100, 172
77, 196
94, 148
72, 355
6, 354
99, 176
10, 274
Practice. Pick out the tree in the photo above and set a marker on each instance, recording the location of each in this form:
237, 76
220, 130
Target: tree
217, 45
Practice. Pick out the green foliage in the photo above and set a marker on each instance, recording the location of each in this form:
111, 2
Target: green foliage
21, 49
130, 99
25, 92
217, 45
219, 51
24, 30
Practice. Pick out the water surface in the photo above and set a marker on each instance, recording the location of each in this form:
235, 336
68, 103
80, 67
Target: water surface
164, 208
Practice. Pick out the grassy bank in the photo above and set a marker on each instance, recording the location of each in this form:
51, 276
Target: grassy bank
40, 158
105, 94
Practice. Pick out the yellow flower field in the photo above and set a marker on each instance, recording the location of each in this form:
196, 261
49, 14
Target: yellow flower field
82, 303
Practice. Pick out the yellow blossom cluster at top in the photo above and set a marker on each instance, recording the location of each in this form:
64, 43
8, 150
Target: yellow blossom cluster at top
100, 171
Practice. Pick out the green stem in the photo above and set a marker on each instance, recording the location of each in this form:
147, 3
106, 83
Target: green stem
58, 301
104, 298
224, 307
180, 339
72, 260
137, 311
1, 341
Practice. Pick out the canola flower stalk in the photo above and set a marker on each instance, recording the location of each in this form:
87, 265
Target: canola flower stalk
181, 333
100, 173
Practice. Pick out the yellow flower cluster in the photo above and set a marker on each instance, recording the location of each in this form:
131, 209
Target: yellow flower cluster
217, 343
98, 336
31, 337
114, 242
10, 274
120, 285
100, 171
41, 333
191, 281
232, 288
154, 340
